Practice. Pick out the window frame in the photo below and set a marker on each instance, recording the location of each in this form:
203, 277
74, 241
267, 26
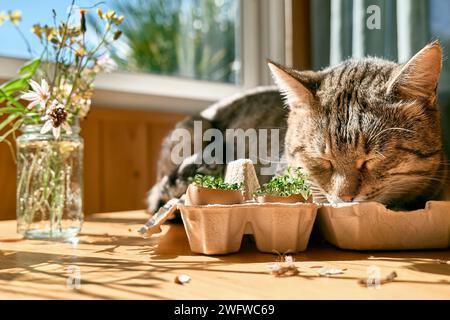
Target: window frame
146, 91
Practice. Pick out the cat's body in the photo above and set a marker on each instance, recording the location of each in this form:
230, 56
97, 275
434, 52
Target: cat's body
363, 130
256, 108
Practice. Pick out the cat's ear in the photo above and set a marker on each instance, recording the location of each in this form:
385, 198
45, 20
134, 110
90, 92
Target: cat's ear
418, 78
298, 88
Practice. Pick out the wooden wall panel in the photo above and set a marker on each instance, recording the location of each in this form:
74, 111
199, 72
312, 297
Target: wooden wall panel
7, 183
121, 150
125, 168
90, 131
129, 143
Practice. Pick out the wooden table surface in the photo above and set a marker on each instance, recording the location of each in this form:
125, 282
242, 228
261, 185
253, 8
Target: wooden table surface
115, 263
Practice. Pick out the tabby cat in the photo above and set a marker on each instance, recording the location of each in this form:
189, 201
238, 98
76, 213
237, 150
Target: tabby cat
364, 130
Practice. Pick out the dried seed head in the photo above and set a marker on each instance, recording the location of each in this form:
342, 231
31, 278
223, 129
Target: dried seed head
83, 20
117, 35
100, 13
57, 114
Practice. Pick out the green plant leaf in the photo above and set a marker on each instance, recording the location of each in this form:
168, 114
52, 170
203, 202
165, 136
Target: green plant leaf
8, 120
28, 70
18, 84
292, 182
10, 110
12, 101
212, 182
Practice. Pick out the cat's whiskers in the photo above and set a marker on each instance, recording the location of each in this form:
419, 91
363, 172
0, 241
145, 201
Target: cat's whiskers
402, 187
385, 195
388, 129
380, 154
436, 177
399, 189
374, 128
318, 192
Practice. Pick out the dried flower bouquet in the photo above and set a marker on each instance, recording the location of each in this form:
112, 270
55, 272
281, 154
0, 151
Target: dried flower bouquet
45, 102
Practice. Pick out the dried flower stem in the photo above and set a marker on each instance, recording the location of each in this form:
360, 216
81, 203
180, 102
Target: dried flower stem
389, 278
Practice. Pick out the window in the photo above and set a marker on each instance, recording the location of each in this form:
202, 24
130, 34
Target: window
175, 55
440, 29
187, 38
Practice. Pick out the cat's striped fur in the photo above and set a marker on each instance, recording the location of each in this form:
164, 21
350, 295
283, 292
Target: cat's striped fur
363, 130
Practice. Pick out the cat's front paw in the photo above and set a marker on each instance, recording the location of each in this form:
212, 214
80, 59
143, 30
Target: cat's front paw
154, 199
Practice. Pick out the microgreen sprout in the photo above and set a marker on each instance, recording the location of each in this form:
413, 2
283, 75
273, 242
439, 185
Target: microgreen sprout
292, 182
213, 182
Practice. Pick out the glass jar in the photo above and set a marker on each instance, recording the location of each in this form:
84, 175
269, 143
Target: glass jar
49, 183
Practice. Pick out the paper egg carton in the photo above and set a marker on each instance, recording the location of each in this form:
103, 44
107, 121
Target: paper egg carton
371, 226
276, 227
281, 228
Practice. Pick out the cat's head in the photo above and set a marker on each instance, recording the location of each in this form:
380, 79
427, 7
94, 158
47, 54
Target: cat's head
366, 129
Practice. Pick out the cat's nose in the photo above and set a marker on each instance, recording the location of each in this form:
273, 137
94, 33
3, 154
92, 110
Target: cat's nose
347, 198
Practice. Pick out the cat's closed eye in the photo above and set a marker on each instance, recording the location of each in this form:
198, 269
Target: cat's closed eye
366, 164
323, 164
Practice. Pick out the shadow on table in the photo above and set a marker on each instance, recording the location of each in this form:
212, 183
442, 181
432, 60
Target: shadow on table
29, 270
111, 219
175, 244
169, 252
114, 240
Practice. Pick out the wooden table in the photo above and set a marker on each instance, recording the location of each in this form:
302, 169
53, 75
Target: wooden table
114, 262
